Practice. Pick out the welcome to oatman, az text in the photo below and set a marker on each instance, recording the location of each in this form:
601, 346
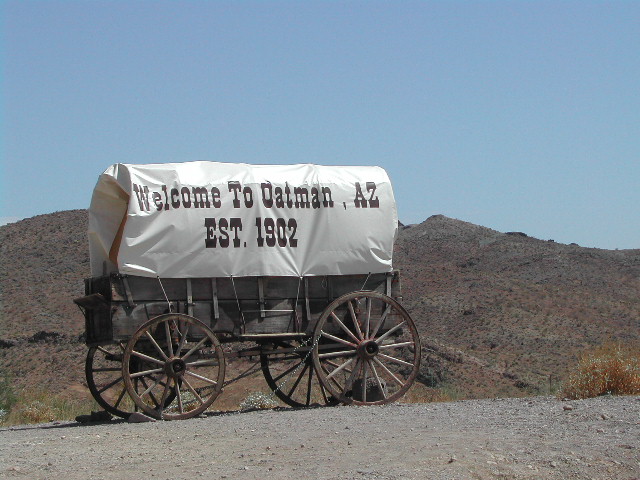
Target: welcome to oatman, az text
313, 197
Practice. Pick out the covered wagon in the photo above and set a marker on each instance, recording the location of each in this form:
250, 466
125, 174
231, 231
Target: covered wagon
296, 259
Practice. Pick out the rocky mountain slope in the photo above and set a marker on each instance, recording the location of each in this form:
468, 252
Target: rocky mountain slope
500, 314
512, 305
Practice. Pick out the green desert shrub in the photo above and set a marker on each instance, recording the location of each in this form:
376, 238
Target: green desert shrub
7, 396
609, 369
40, 406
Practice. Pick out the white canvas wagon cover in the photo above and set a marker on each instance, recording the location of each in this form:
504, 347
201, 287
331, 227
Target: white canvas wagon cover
210, 219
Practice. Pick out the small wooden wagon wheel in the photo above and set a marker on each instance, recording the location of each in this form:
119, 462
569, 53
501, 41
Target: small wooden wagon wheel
288, 368
366, 349
103, 369
181, 356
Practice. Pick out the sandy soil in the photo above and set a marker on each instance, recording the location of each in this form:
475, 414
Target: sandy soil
529, 438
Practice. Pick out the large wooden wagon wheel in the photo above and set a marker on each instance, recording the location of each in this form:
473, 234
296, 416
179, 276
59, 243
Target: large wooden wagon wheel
181, 355
103, 369
288, 368
366, 349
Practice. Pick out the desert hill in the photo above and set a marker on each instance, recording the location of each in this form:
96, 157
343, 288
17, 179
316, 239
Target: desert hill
514, 305
499, 313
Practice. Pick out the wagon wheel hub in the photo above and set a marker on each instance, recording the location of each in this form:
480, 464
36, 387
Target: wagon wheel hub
175, 367
368, 349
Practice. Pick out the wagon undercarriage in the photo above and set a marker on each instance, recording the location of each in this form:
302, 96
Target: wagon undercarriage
158, 345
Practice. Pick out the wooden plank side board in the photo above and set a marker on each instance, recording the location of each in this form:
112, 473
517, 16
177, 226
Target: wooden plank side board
226, 305
152, 289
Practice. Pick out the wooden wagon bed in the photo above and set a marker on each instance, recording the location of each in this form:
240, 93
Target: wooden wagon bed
236, 308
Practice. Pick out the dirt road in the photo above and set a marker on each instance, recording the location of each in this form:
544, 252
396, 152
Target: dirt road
529, 438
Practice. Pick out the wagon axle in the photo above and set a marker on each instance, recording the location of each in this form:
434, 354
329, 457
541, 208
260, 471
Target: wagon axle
175, 367
368, 349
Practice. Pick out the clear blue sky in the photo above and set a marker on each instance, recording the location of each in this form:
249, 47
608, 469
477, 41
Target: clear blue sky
512, 115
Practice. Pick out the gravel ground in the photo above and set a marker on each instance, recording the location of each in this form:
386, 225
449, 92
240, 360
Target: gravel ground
529, 438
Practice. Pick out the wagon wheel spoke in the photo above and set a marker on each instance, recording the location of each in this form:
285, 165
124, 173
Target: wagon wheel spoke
148, 389
201, 377
153, 387
156, 404
183, 339
119, 399
187, 378
391, 374
388, 346
354, 318
381, 321
199, 345
340, 368
380, 339
109, 385
396, 360
291, 375
193, 391
335, 365
165, 395
179, 396
155, 344
146, 357
363, 385
323, 390
344, 327
339, 340
341, 353
337, 385
309, 383
377, 377
382, 354
298, 379
352, 378
146, 373
200, 363
167, 333
287, 372
367, 318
